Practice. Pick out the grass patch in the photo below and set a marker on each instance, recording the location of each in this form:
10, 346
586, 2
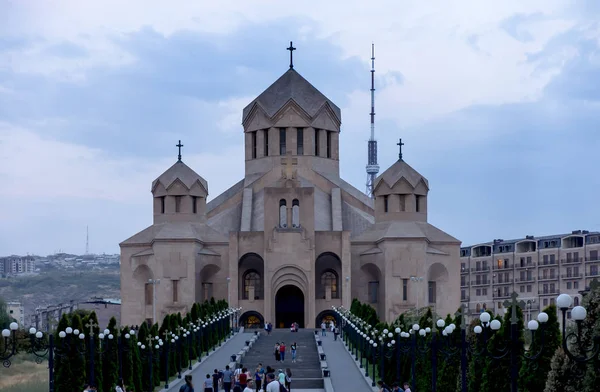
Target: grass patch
24, 375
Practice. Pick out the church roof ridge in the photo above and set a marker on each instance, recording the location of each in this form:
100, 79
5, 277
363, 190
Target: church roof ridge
182, 172
291, 85
400, 169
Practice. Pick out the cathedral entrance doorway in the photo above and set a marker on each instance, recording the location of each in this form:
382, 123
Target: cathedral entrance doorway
289, 307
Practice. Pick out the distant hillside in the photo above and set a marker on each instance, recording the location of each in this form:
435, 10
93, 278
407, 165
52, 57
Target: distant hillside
58, 286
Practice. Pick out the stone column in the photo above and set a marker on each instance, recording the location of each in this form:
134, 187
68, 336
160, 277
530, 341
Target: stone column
233, 269
346, 270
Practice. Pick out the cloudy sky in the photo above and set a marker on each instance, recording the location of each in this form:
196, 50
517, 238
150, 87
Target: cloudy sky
497, 102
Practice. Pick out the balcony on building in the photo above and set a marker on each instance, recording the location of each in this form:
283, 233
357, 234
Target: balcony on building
481, 251
475, 283
572, 275
548, 291
525, 262
526, 246
575, 240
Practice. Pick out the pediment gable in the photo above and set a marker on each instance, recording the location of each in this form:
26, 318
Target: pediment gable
291, 115
257, 119
326, 119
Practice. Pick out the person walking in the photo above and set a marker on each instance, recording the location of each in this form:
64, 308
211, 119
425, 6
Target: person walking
227, 379
249, 387
277, 352
243, 378
293, 349
208, 384
120, 387
282, 351
288, 379
323, 329
272, 384
188, 386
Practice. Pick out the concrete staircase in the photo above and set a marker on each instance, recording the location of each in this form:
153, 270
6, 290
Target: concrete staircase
306, 371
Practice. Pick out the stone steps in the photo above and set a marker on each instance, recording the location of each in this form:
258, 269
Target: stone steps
306, 371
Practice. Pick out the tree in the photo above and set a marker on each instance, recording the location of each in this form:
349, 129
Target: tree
498, 371
93, 342
63, 374
5, 318
142, 337
449, 365
110, 360
534, 373
75, 359
566, 374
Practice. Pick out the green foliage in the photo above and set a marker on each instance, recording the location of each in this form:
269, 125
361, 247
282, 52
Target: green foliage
5, 319
95, 344
568, 375
144, 370
63, 374
75, 359
533, 374
110, 366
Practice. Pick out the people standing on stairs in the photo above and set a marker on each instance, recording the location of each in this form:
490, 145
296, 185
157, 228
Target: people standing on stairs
237, 372
281, 376
288, 378
267, 329
293, 349
282, 351
332, 327
277, 352
323, 328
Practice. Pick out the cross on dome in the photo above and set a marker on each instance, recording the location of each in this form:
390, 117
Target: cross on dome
291, 49
179, 145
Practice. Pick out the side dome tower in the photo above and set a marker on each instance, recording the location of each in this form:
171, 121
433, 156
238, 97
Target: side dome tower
179, 195
401, 193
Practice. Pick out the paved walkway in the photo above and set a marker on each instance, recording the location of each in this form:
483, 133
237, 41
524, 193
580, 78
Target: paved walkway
345, 375
216, 360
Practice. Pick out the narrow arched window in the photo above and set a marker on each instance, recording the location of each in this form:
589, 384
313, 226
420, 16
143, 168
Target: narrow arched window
252, 279
282, 213
478, 308
576, 301
329, 279
295, 213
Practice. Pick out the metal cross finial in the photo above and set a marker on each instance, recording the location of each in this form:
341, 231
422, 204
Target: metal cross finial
400, 144
462, 313
179, 145
149, 340
291, 49
91, 325
512, 304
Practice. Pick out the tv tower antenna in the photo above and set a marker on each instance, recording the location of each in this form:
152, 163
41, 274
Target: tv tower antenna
372, 166
87, 240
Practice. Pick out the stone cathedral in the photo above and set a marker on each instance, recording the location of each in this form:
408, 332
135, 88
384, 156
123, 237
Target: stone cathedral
291, 238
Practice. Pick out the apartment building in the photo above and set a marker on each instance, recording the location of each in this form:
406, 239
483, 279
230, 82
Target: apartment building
16, 311
13, 265
536, 268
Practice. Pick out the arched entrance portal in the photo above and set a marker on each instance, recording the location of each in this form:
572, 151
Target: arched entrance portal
289, 307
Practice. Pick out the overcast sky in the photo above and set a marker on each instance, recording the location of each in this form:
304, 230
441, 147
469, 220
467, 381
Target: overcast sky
497, 102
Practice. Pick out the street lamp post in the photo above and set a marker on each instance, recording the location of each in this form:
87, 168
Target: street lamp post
9, 349
153, 282
228, 291
578, 313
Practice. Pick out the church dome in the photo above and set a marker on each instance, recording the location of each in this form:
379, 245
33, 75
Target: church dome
398, 171
180, 173
291, 86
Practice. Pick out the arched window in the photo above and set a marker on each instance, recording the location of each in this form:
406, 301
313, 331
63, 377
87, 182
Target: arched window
330, 279
576, 301
478, 308
252, 279
282, 213
295, 213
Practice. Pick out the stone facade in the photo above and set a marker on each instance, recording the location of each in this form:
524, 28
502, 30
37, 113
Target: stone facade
291, 239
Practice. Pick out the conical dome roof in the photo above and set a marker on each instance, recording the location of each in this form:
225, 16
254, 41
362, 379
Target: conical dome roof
182, 172
291, 86
400, 170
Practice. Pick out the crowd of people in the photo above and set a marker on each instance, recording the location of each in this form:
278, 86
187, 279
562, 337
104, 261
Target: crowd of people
244, 380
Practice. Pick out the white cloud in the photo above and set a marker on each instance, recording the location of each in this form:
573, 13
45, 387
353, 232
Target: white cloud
428, 42
231, 120
39, 168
